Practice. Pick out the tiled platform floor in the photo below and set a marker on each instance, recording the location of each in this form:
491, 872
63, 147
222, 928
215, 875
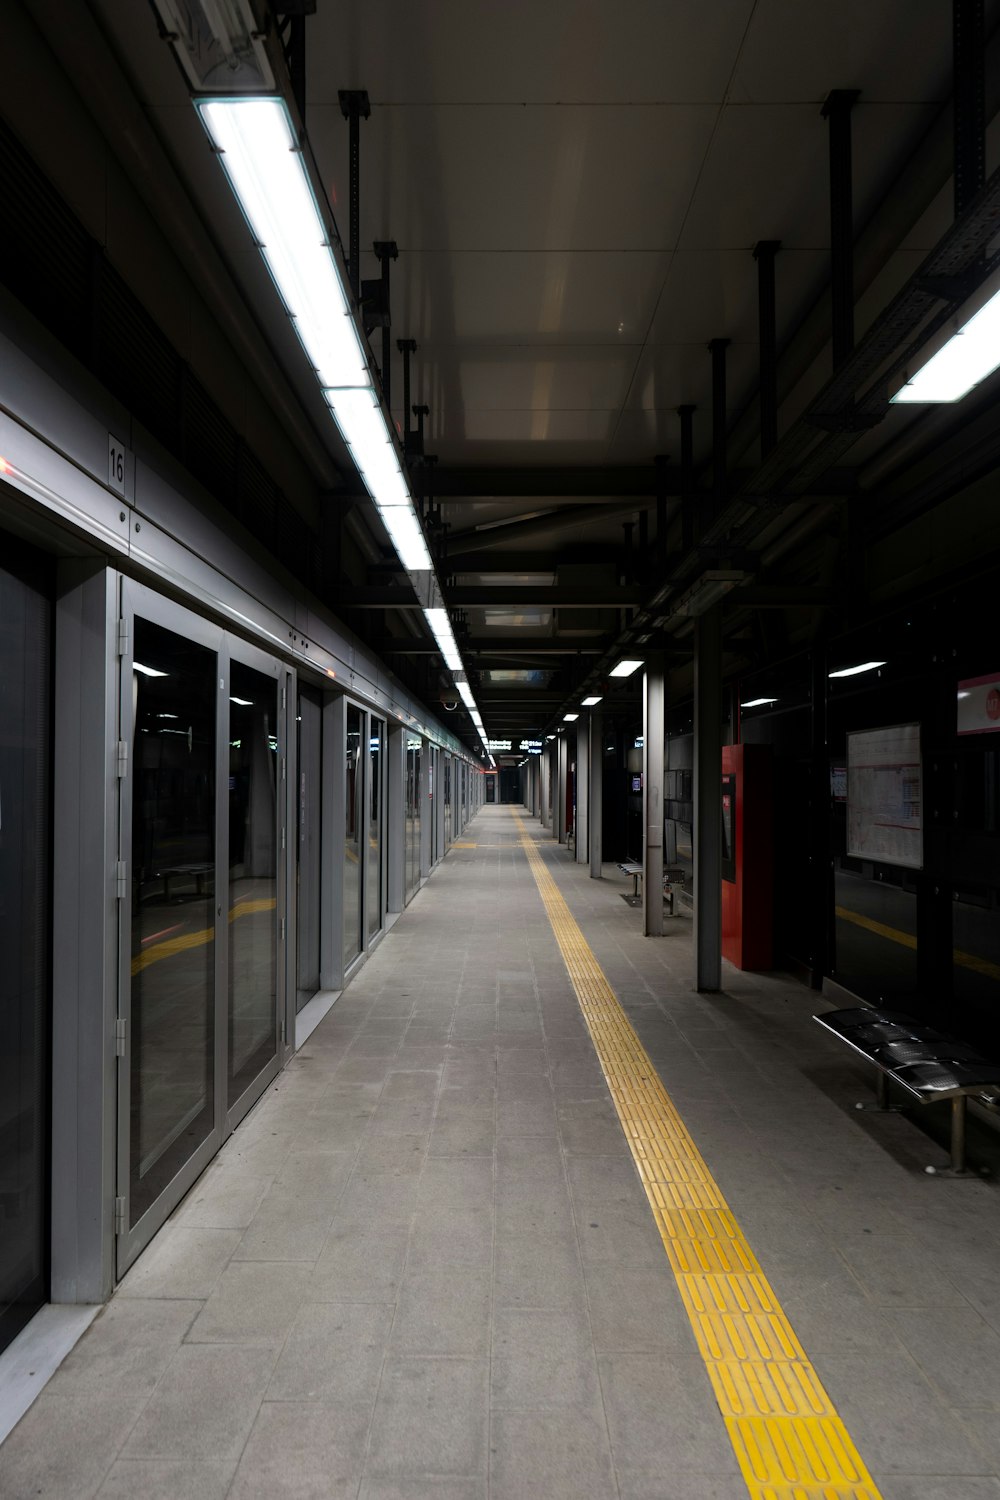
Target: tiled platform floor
424, 1266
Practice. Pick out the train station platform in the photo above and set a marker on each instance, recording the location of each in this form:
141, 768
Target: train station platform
528, 1217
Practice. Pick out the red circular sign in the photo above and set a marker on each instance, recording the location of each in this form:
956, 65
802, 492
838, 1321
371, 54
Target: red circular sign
993, 704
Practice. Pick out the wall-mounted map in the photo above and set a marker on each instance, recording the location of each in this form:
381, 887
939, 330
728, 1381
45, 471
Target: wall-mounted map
884, 795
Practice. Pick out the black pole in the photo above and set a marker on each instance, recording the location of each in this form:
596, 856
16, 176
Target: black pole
763, 253
661, 510
718, 349
354, 106
837, 109
686, 414
296, 55
406, 347
968, 99
387, 251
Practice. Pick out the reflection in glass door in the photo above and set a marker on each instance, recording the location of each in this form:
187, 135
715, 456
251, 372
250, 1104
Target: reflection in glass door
25, 932
309, 720
253, 875
448, 767
352, 836
375, 879
171, 1101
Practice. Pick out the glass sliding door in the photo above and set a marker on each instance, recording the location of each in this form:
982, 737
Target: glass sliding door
375, 878
202, 969
254, 748
309, 744
448, 768
172, 703
353, 828
25, 927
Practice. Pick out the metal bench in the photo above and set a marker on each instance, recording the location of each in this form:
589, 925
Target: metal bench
671, 876
925, 1063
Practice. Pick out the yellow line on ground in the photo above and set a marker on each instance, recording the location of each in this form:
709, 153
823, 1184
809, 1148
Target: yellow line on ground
907, 940
189, 940
789, 1441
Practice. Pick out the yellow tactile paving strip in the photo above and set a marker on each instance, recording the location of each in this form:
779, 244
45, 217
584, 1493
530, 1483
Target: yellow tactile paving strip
786, 1434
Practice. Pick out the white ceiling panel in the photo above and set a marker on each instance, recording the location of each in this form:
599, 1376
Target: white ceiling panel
801, 49
454, 51
555, 298
766, 175
559, 177
499, 379
713, 293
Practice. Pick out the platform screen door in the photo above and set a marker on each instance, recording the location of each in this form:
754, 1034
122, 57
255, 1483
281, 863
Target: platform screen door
200, 899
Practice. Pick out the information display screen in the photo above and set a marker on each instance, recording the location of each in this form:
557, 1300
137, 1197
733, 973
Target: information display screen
884, 795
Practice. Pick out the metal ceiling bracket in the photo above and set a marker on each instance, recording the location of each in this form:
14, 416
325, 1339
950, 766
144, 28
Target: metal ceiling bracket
763, 253
837, 109
406, 347
292, 36
355, 107
969, 59
717, 349
375, 309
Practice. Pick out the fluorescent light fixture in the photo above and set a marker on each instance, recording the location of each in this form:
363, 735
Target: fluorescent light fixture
865, 666
137, 666
465, 693
442, 632
550, 737
218, 43
363, 427
757, 702
570, 718
625, 667
261, 157
408, 539
972, 353
709, 589
243, 702
591, 701
173, 716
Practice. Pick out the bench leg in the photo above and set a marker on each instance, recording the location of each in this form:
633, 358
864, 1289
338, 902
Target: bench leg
958, 1116
881, 1097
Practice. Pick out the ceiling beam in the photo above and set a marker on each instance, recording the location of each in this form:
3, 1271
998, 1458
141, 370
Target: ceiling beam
483, 538
589, 645
569, 482
485, 597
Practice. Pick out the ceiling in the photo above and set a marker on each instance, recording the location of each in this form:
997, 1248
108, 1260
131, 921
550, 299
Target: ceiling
575, 190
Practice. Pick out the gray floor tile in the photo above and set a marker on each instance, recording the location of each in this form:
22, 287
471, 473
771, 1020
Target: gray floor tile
543, 1359
333, 1354
454, 1237
662, 1404
957, 1351
181, 1262
290, 1225
126, 1348
443, 1310
63, 1446
637, 1310
360, 1263
167, 1479
562, 1455
309, 1451
254, 1302
438, 1488
205, 1404
430, 1419
224, 1197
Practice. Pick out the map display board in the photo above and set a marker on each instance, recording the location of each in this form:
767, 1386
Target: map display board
884, 795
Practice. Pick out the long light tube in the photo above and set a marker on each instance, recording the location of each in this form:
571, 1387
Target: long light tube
865, 666
261, 156
972, 353
625, 667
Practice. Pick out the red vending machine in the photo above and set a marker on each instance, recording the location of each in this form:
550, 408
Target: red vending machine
747, 856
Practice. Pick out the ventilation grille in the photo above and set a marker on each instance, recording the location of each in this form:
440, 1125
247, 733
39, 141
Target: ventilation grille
52, 265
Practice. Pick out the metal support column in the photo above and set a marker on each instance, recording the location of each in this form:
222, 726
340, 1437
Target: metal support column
686, 414
969, 53
582, 784
653, 741
406, 347
718, 349
763, 253
544, 775
562, 779
708, 800
355, 107
387, 251
596, 808
425, 810
837, 109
